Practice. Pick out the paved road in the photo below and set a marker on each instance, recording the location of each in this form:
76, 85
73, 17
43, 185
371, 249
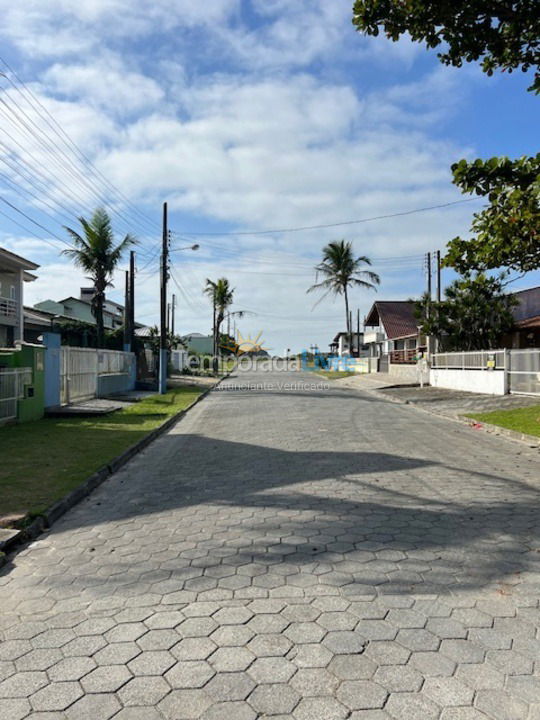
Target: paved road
288, 553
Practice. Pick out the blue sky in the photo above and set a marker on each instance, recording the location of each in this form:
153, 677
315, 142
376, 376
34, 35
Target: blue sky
247, 115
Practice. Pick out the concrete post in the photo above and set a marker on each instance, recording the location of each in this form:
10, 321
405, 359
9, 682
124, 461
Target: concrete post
51, 364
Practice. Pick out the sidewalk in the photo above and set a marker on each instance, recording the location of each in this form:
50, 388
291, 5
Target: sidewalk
449, 403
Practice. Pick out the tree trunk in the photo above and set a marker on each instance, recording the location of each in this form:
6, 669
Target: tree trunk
97, 308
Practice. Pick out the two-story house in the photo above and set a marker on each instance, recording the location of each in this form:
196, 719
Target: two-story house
14, 272
391, 332
81, 309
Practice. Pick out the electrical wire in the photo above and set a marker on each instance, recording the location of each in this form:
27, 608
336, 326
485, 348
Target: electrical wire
68, 141
328, 225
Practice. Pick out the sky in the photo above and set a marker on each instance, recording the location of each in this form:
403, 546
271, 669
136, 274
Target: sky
245, 116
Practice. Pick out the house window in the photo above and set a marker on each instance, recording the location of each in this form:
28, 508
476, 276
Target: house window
12, 292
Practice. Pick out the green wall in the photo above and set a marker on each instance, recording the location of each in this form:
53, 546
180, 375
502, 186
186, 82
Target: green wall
31, 407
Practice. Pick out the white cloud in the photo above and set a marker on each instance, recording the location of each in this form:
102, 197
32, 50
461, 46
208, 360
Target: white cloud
269, 121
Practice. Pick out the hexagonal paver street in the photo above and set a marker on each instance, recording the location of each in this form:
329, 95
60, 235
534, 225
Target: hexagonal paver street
305, 552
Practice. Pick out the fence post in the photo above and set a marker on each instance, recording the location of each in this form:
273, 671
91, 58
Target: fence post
506, 385
53, 376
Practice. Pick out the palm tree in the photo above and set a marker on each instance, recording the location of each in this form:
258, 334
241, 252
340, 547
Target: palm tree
341, 271
94, 251
221, 294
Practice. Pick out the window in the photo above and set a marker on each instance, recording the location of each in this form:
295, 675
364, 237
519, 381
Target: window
12, 292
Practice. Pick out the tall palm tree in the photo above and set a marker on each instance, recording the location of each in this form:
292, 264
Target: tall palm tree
341, 271
221, 294
95, 252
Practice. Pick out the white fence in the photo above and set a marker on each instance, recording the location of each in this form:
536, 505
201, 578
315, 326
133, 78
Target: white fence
524, 372
12, 383
494, 372
80, 369
473, 360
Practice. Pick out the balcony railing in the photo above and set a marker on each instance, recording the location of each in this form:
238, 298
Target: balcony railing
8, 308
407, 356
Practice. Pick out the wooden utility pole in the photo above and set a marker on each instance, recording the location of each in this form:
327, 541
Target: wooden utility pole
163, 308
428, 268
131, 299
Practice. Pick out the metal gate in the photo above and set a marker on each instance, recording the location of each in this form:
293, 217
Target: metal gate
12, 383
78, 374
524, 372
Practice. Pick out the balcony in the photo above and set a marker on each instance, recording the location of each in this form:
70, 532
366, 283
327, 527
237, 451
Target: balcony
373, 336
8, 311
408, 356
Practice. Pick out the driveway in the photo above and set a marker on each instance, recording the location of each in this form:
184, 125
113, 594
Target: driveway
297, 551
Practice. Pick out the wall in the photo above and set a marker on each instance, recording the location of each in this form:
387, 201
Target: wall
114, 383
407, 373
32, 406
490, 382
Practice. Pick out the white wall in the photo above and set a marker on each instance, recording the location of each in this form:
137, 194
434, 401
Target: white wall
408, 373
490, 382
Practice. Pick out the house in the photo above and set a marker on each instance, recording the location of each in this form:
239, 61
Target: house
14, 273
80, 309
526, 332
340, 344
199, 344
391, 332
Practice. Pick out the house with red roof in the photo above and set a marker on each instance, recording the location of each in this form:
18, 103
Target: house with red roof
391, 333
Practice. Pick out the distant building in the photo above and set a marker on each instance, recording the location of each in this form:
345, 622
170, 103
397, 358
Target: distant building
340, 344
198, 343
80, 309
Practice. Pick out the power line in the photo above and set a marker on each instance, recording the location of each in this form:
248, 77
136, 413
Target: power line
23, 227
330, 225
90, 183
68, 141
35, 222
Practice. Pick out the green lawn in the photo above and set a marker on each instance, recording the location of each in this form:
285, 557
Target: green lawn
525, 420
44, 460
334, 374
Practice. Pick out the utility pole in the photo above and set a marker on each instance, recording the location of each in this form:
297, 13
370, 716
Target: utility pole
173, 311
358, 332
350, 334
438, 256
131, 299
428, 304
127, 346
163, 313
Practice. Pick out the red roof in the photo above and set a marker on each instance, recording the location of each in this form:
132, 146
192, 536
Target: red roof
396, 317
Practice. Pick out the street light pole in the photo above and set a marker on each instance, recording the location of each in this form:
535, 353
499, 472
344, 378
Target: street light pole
164, 278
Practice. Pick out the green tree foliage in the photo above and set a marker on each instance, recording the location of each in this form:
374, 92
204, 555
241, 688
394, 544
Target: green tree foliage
502, 34
340, 271
95, 252
474, 315
507, 231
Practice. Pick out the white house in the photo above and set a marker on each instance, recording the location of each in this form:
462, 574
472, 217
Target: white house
14, 272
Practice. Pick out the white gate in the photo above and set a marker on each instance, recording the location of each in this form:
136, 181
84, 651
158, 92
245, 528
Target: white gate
524, 372
12, 384
78, 374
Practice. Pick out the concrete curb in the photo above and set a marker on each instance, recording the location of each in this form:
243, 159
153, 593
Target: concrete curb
46, 519
530, 440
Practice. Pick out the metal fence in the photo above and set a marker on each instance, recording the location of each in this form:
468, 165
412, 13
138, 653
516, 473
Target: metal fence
524, 372
80, 368
12, 384
113, 362
473, 360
